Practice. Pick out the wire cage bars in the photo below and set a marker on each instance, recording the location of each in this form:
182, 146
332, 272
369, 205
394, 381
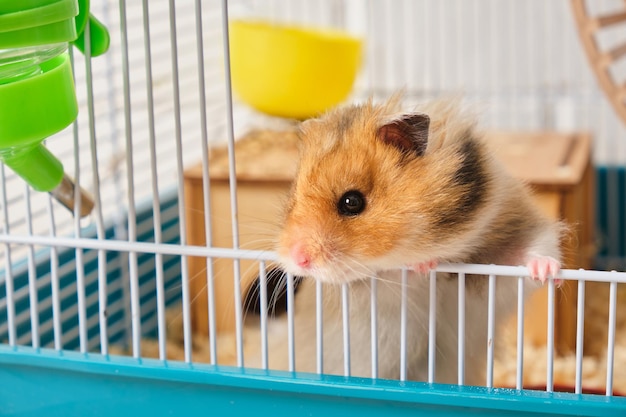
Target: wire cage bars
73, 290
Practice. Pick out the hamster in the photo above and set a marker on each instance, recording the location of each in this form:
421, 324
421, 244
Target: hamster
378, 190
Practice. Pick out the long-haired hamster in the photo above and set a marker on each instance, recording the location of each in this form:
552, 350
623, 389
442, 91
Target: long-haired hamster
377, 190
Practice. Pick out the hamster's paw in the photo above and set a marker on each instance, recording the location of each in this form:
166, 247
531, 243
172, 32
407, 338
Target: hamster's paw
542, 267
424, 267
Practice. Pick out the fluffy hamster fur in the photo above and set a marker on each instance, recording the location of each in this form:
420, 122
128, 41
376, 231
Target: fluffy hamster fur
433, 193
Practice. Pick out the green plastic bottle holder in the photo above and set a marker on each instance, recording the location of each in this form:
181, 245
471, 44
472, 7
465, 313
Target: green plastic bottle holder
25, 122
37, 94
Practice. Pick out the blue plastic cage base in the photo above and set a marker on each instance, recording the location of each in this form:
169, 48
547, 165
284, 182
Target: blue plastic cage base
52, 383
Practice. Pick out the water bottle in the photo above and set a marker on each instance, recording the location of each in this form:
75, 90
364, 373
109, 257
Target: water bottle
37, 95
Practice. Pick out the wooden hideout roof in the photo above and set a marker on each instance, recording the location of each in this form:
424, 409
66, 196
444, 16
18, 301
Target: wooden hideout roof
542, 159
260, 155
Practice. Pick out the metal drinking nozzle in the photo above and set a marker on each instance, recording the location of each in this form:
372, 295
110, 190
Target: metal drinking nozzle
68, 194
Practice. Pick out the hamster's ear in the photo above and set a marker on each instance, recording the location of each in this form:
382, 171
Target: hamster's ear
409, 133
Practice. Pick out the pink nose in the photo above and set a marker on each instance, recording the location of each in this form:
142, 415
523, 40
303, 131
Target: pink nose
300, 256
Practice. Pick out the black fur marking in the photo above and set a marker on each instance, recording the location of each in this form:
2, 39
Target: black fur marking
346, 120
276, 280
469, 185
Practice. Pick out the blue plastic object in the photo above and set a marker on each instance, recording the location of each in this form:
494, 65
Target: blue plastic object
52, 383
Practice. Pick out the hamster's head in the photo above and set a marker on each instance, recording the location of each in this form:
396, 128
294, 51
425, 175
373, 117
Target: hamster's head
373, 191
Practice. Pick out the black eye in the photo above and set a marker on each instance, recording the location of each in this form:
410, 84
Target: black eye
351, 203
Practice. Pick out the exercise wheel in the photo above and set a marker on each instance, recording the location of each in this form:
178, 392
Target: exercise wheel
604, 60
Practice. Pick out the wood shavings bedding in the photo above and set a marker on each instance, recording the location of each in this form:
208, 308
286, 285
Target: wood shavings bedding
594, 349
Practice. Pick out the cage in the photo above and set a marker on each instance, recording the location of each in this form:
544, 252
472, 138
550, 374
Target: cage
145, 306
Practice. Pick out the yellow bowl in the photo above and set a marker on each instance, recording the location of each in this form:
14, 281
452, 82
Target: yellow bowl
290, 71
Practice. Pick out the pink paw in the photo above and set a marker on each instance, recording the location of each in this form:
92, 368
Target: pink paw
542, 267
424, 267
